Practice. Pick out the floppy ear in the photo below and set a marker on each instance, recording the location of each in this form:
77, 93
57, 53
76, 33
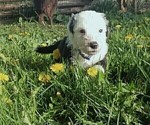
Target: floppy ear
71, 23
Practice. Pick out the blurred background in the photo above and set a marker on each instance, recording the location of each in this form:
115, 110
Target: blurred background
11, 10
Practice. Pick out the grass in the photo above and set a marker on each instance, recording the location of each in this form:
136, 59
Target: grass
119, 97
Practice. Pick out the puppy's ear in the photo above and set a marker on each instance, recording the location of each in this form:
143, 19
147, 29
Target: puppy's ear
71, 23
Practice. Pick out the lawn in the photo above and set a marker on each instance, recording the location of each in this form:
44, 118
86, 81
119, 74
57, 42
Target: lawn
36, 91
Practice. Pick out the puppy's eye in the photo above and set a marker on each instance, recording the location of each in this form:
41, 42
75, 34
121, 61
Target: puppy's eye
82, 31
101, 30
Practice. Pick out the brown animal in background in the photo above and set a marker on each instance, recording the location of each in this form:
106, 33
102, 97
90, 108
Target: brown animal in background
45, 8
124, 5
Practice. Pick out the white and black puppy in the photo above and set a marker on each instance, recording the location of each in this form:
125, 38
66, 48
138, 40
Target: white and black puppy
86, 43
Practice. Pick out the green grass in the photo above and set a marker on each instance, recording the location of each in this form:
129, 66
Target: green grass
120, 97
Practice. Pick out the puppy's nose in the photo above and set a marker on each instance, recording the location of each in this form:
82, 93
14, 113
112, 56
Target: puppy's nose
94, 45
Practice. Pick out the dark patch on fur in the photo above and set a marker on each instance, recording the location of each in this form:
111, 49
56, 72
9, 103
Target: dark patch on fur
102, 63
71, 25
63, 47
48, 49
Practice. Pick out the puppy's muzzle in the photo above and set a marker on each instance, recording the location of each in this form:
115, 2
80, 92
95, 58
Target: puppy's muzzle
93, 45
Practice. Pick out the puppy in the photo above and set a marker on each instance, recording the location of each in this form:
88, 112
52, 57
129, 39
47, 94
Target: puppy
85, 44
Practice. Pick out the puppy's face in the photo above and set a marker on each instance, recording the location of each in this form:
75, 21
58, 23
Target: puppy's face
88, 31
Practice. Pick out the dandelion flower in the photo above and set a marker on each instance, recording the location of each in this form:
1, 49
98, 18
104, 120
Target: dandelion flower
26, 33
3, 77
58, 94
139, 46
43, 44
92, 71
10, 37
56, 54
57, 67
7, 100
118, 26
129, 37
44, 77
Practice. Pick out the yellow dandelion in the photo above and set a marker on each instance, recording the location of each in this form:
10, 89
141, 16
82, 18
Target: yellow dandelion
129, 37
57, 67
3, 77
26, 33
44, 77
7, 100
139, 46
58, 94
10, 37
21, 34
92, 71
142, 46
56, 54
43, 44
118, 26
